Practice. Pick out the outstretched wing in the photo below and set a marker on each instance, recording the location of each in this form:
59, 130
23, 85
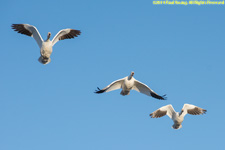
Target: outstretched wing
192, 109
165, 110
65, 34
113, 86
143, 88
28, 30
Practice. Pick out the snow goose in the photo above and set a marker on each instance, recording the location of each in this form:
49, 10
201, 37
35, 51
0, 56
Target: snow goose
177, 118
130, 83
45, 46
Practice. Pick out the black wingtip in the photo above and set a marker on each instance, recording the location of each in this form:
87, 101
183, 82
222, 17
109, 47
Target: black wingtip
19, 28
204, 111
164, 97
75, 32
13, 26
99, 91
158, 97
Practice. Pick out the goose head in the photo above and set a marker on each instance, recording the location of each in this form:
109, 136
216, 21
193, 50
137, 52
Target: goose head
131, 75
181, 112
48, 36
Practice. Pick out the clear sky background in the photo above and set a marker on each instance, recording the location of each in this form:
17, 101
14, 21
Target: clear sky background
175, 50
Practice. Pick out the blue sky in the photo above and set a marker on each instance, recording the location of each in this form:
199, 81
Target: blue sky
175, 50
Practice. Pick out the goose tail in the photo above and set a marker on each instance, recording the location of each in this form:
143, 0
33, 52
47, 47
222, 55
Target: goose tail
124, 93
44, 60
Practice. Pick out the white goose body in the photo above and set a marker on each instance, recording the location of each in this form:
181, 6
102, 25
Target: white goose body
127, 84
177, 118
46, 49
45, 46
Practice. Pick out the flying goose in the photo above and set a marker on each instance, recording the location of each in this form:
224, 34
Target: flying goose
175, 116
130, 83
45, 46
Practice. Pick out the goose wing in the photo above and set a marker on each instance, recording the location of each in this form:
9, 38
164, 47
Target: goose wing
113, 86
192, 109
143, 88
28, 30
65, 34
165, 110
